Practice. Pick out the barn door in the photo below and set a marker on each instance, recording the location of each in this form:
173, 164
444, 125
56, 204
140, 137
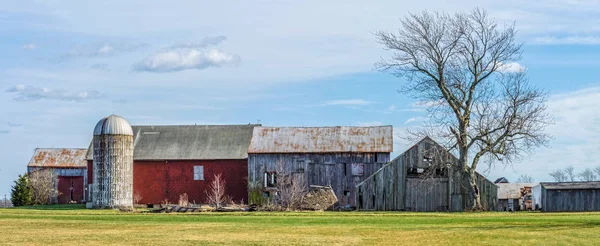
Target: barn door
70, 189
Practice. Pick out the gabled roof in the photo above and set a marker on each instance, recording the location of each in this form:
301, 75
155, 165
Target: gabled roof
571, 185
338, 139
58, 158
197, 142
512, 190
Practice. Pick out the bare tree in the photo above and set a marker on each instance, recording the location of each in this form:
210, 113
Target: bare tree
559, 175
570, 174
462, 67
597, 171
290, 188
215, 195
525, 178
43, 184
587, 175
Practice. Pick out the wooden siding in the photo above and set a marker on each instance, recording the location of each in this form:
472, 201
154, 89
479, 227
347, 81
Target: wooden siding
333, 169
390, 189
64, 172
567, 200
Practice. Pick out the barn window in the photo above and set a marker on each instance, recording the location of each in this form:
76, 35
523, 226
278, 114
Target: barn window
198, 172
358, 169
270, 179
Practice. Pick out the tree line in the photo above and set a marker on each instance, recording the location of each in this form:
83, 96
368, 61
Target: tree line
568, 174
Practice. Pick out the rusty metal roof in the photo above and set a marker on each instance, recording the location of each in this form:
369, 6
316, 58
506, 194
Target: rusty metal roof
59, 157
512, 190
336, 139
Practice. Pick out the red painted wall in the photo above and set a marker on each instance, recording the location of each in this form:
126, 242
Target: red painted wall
156, 181
65, 184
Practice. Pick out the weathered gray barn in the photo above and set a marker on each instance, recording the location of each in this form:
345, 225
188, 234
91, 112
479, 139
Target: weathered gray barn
421, 179
69, 166
340, 157
570, 196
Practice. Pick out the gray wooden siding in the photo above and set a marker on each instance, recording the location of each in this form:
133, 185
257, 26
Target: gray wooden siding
390, 189
320, 169
567, 200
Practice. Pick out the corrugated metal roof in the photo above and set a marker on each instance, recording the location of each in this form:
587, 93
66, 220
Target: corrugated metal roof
59, 157
571, 185
113, 125
198, 142
321, 139
512, 190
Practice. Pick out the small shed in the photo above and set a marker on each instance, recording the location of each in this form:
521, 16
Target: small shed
69, 166
510, 195
421, 179
340, 157
570, 196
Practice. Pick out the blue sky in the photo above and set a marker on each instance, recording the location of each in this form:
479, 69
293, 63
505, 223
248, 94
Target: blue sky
66, 64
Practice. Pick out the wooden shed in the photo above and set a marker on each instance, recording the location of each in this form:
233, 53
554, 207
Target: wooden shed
69, 167
340, 157
413, 182
570, 196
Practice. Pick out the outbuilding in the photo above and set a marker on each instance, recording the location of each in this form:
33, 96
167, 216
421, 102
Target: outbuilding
170, 161
68, 166
340, 157
421, 179
569, 196
511, 196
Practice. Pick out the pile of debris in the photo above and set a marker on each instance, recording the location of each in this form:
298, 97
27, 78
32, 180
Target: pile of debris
319, 198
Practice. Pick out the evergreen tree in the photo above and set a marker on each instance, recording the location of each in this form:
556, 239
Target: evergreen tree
21, 193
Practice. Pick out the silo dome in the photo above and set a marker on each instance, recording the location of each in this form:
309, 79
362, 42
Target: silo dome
112, 165
113, 125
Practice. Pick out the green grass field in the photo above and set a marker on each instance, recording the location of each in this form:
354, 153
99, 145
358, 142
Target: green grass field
74, 225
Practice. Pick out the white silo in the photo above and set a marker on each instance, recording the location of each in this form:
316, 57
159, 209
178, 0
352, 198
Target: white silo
113, 163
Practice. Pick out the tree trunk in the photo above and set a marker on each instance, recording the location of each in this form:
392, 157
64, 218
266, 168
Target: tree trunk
471, 193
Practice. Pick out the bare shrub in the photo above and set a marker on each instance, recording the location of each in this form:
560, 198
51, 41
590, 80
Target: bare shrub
183, 200
137, 197
290, 188
215, 195
42, 182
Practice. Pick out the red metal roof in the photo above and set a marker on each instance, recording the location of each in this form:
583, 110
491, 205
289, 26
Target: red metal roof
321, 139
59, 157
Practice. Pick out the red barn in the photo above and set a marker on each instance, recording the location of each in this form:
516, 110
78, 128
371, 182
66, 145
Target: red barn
169, 161
68, 167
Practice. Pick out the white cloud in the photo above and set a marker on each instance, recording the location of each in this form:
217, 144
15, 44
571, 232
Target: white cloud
32, 93
103, 49
173, 60
578, 40
203, 43
348, 102
392, 107
29, 46
576, 132
414, 119
511, 67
